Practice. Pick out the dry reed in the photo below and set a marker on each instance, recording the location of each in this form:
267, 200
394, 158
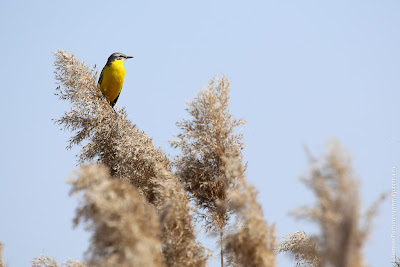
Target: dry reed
111, 139
204, 141
1, 254
135, 200
45, 261
251, 241
125, 226
344, 230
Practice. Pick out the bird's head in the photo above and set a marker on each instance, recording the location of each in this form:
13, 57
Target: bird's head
117, 56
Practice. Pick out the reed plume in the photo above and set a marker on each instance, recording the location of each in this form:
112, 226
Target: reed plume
344, 229
251, 242
204, 141
46, 261
125, 226
1, 254
111, 139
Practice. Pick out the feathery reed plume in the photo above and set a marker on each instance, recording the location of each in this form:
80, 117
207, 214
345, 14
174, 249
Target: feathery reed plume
303, 247
125, 226
1, 254
128, 152
73, 263
337, 212
45, 261
252, 241
112, 139
174, 224
205, 140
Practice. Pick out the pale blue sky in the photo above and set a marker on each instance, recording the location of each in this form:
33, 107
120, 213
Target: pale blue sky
300, 72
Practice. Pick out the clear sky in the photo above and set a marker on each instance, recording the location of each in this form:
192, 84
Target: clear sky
300, 72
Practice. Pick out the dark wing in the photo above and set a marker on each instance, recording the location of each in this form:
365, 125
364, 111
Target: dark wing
115, 101
101, 77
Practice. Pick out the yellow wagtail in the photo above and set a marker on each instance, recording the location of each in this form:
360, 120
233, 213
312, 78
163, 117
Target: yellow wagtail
112, 77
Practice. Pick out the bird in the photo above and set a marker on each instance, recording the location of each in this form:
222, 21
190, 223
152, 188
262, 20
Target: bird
112, 77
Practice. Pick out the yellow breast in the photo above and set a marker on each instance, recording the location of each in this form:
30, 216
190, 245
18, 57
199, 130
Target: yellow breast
112, 79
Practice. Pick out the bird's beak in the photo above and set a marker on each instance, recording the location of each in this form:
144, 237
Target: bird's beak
128, 57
